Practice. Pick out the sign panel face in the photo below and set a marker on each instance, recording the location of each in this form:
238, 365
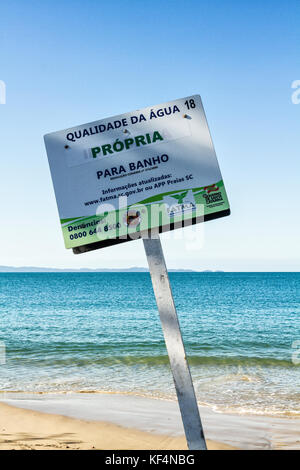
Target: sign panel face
151, 168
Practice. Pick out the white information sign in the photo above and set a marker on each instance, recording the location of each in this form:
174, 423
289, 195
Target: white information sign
110, 174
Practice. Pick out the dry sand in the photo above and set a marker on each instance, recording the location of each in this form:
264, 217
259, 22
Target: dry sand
23, 429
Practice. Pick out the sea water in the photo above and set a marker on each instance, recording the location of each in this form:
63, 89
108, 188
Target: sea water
100, 332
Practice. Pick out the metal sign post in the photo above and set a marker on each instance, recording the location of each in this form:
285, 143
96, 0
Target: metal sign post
174, 343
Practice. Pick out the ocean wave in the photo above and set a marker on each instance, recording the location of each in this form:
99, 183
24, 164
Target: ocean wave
148, 360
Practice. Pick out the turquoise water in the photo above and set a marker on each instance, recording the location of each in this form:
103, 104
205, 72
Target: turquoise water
94, 332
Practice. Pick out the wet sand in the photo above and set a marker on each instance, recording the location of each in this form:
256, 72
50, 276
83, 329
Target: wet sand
116, 421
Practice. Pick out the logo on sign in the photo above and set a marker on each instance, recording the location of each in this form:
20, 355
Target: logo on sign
182, 205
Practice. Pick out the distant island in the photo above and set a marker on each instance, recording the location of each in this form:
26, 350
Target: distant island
134, 269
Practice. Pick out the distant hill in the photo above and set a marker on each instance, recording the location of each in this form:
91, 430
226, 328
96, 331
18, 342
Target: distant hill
134, 269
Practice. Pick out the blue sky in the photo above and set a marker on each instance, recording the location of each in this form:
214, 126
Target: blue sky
65, 63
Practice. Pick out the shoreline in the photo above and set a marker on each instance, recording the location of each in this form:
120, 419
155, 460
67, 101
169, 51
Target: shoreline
152, 417
26, 429
217, 409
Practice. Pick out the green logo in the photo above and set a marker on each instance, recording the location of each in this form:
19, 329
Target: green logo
180, 197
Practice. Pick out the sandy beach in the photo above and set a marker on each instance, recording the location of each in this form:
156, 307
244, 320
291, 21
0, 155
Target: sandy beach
116, 421
33, 430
